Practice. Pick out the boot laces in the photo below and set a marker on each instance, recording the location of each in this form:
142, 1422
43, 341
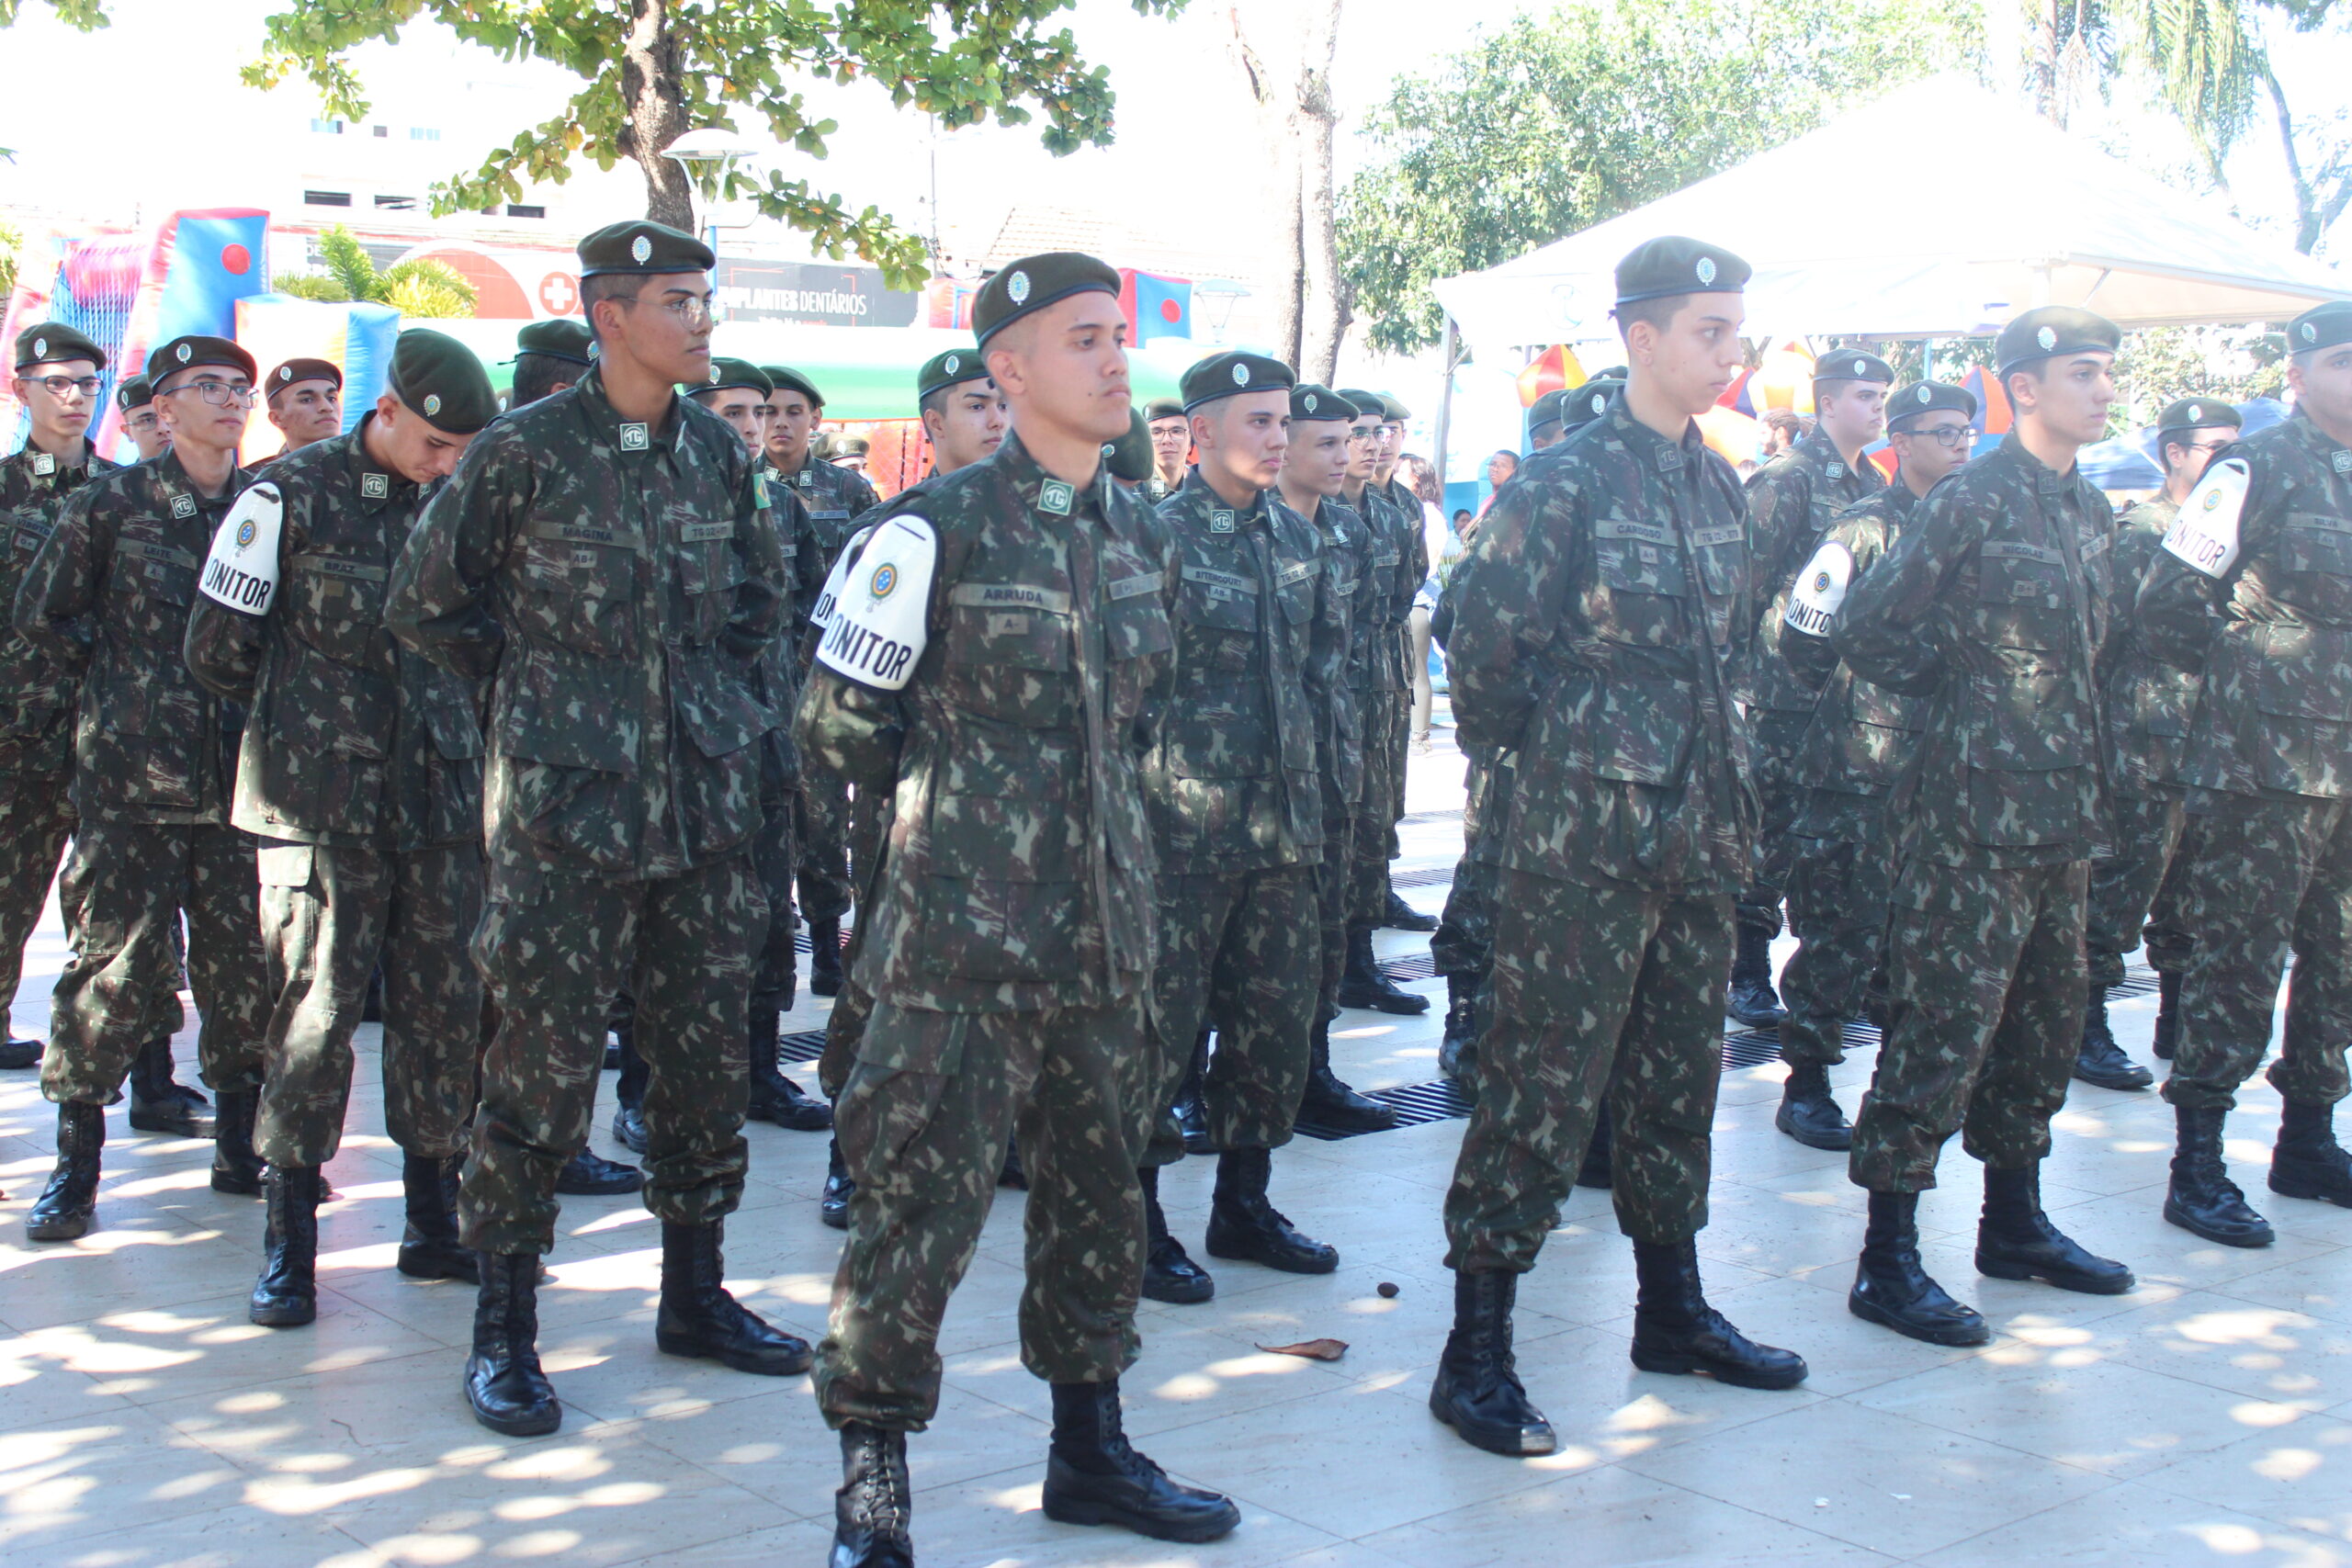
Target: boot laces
877, 1498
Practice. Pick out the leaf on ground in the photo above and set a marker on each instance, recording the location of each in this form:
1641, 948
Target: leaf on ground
1313, 1350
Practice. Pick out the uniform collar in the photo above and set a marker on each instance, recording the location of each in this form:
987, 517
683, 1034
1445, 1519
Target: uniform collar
2046, 479
2332, 453
1213, 505
1037, 487
376, 486
1655, 450
1823, 452
612, 433
43, 465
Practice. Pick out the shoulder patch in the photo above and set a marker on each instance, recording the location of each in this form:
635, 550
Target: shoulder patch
1820, 590
2205, 534
878, 625
822, 614
242, 570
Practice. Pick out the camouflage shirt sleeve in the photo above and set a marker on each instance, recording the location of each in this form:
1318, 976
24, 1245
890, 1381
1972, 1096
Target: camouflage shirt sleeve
2178, 608
439, 601
1813, 658
1514, 597
224, 646
60, 593
760, 602
1780, 505
1889, 628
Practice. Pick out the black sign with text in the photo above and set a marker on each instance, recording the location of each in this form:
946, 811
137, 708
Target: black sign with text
815, 293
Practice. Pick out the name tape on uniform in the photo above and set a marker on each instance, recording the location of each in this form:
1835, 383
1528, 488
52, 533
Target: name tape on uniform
1820, 590
242, 570
822, 615
2205, 534
879, 623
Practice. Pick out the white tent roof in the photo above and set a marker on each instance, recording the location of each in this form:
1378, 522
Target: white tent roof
2042, 218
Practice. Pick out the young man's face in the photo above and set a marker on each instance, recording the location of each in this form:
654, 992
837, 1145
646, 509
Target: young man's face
145, 424
1363, 448
1171, 442
307, 411
1933, 445
664, 327
2190, 451
207, 407
2322, 382
1064, 367
1695, 357
402, 440
2069, 396
1317, 463
1851, 413
741, 407
1392, 446
61, 395
968, 425
792, 421
1245, 436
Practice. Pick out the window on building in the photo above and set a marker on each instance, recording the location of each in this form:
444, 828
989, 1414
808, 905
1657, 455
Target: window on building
397, 203
423, 133
327, 127
521, 209
383, 130
326, 198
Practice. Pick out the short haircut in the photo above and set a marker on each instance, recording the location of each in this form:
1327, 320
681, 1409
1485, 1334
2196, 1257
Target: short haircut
935, 401
607, 286
539, 374
1659, 312
1783, 420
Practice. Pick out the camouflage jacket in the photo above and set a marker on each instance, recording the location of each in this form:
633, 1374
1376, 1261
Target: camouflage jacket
776, 673
1231, 778
2273, 633
1993, 605
618, 583
1405, 573
1347, 554
1791, 499
37, 692
1861, 734
1598, 623
108, 595
2149, 702
836, 497
351, 739
1020, 869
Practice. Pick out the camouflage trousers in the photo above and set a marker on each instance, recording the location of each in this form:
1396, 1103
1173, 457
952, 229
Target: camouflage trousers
554, 949
1377, 810
1464, 938
1596, 990
1838, 892
1332, 876
330, 917
36, 819
922, 1122
1986, 987
2267, 878
823, 850
1240, 953
135, 881
1778, 741
845, 1025
776, 961
2138, 883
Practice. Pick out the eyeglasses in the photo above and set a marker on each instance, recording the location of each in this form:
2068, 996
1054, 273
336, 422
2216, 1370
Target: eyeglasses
219, 394
58, 386
2208, 448
140, 423
1944, 434
693, 311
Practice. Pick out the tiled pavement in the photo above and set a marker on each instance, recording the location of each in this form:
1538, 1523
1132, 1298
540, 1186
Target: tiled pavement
2204, 1419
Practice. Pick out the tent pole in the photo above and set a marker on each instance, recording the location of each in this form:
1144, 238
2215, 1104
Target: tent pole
1444, 406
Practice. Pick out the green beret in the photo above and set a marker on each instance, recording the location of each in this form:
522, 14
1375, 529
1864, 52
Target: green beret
1584, 404
1371, 403
135, 393
438, 377
2321, 326
785, 379
1230, 373
642, 247
562, 338
952, 369
734, 373
1925, 398
1162, 408
1129, 458
1852, 364
1309, 401
2197, 414
1035, 282
2052, 330
1671, 265
52, 342
851, 446
295, 370
1392, 411
187, 353
1546, 409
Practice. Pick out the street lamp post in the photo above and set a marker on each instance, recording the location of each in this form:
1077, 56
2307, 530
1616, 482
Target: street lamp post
708, 155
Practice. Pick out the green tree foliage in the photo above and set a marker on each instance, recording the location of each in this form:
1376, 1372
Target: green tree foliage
12, 244
422, 290
1562, 122
652, 70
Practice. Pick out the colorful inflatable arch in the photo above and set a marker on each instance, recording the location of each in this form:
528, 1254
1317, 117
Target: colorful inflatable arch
357, 337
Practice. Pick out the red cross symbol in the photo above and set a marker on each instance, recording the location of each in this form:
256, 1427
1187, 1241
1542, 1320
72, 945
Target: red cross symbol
558, 293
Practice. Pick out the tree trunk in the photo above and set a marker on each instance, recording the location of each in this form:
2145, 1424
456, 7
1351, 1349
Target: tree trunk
1323, 300
657, 112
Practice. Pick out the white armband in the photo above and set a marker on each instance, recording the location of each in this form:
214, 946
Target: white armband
822, 615
877, 626
1820, 590
2205, 532
242, 570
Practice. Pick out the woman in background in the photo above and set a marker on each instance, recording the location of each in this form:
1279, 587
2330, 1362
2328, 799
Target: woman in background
1445, 547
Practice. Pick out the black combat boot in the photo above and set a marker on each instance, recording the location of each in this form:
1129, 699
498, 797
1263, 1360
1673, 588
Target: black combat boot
2015, 1240
1753, 1001
235, 1166
589, 1175
1362, 984
628, 1090
2202, 1198
68, 1206
1596, 1170
832, 1203
1012, 1173
429, 1244
1093, 1475
825, 958
1676, 1331
286, 1295
1330, 1103
874, 1508
1244, 1226
775, 1098
371, 1007
1401, 916
1809, 1112
2099, 1060
17, 1053
1192, 1098
1168, 1272
1457, 1051
699, 1318
1893, 1290
1477, 1391
503, 1384
158, 1104
2167, 1013
2307, 1161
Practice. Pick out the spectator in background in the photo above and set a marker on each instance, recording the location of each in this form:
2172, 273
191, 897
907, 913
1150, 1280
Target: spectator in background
1782, 431
1444, 550
1466, 526
1499, 470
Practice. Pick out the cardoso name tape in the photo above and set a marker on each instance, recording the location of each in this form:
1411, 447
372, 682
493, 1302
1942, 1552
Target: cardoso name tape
2205, 532
242, 570
1820, 590
877, 626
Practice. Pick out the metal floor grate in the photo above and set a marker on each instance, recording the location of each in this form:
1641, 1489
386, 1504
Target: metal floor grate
1427, 876
802, 1046
1415, 1104
1453, 816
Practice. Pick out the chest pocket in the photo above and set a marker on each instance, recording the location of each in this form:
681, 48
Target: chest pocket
2316, 552
1136, 638
1639, 565
579, 592
337, 604
710, 571
1221, 609
152, 586
1007, 654
2021, 594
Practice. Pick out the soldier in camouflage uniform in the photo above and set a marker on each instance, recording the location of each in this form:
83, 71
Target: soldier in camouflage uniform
303, 398
2254, 592
835, 497
607, 558
1992, 606
990, 658
1793, 498
549, 357
108, 595
1171, 448
1599, 624
141, 421
2148, 708
361, 776
1861, 737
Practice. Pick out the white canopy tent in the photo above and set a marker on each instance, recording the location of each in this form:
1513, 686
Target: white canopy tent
2042, 218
